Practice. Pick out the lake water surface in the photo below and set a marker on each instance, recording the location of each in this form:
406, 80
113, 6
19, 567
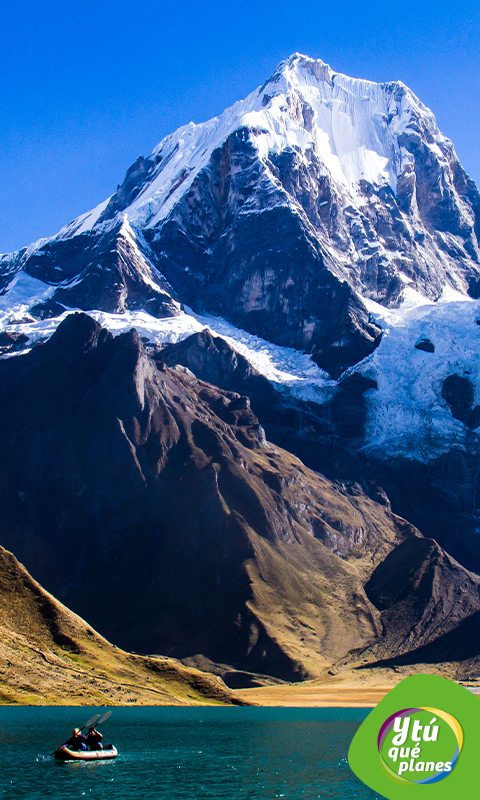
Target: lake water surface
184, 753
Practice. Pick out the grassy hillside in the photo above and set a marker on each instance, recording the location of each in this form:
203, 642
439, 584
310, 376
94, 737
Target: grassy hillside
50, 655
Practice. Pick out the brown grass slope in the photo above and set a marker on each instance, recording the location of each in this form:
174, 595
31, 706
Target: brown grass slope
50, 655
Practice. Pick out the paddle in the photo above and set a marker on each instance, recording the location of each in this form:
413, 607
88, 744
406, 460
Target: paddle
102, 719
95, 720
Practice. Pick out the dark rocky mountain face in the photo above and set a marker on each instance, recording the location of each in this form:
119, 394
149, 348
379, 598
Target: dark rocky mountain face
150, 502
167, 477
213, 360
438, 497
109, 270
265, 271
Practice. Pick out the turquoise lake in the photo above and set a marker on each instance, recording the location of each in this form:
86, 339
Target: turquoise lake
171, 753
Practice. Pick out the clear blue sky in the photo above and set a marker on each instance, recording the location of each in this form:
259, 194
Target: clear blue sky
85, 87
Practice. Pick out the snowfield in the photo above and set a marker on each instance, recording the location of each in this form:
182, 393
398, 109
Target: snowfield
407, 414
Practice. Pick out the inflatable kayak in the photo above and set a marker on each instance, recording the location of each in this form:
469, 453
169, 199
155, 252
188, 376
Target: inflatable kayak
64, 754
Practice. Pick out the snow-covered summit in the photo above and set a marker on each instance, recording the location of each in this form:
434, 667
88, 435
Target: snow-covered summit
353, 126
406, 203
286, 215
362, 163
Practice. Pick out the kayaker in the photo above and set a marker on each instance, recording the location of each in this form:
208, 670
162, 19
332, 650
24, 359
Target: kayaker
94, 739
77, 741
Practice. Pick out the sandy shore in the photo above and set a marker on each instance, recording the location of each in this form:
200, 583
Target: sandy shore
314, 695
345, 691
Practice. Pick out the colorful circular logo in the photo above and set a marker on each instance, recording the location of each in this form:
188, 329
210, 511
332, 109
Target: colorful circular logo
419, 745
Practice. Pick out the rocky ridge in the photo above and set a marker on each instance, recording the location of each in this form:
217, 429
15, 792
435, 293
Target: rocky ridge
437, 494
184, 532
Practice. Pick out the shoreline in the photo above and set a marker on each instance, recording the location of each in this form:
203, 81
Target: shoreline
314, 696
335, 694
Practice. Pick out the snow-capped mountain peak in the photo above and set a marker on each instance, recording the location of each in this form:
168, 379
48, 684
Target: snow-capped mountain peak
304, 105
284, 214
352, 125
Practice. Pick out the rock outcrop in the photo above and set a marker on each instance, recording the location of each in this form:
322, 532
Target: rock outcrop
437, 496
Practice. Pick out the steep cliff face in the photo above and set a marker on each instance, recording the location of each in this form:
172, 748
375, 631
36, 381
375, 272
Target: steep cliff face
238, 245
151, 503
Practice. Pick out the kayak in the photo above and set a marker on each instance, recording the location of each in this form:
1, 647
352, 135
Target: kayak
65, 754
